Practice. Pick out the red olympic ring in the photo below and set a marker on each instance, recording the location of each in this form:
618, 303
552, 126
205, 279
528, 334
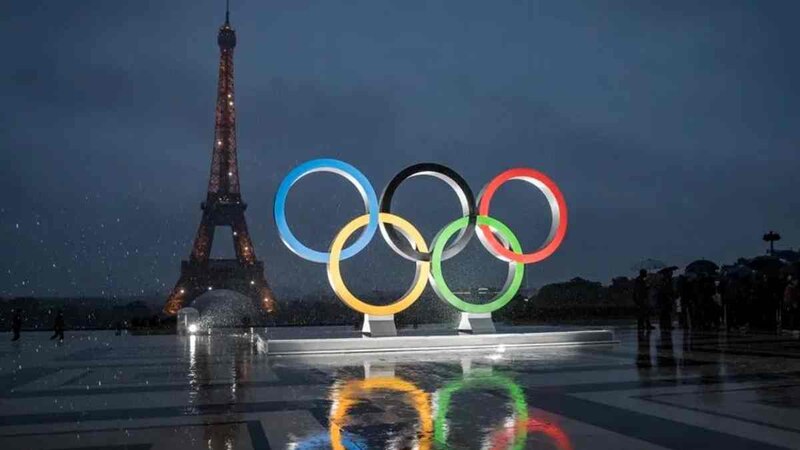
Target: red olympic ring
558, 208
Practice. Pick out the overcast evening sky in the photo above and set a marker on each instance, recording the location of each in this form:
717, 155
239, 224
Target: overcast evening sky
671, 128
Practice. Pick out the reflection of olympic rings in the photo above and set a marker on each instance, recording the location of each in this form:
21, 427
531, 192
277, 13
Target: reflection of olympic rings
345, 397
494, 235
491, 381
434, 430
347, 442
502, 438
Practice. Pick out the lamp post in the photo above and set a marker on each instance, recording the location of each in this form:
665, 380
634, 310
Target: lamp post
771, 237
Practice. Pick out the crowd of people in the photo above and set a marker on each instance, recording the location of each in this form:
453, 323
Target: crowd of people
734, 298
760, 293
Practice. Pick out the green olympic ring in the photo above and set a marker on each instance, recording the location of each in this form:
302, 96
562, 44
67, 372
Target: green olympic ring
516, 270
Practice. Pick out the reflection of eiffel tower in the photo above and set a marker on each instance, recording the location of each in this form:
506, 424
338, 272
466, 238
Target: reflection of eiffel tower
223, 207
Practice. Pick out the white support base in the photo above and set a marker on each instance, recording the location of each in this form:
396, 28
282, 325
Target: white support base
379, 326
438, 344
476, 323
468, 367
379, 370
260, 341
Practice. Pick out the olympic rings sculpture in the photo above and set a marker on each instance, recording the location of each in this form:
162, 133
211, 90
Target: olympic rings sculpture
407, 241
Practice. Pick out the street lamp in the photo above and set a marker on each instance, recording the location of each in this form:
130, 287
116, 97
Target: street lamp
771, 237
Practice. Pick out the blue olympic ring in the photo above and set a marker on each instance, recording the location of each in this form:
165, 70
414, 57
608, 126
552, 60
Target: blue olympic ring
345, 170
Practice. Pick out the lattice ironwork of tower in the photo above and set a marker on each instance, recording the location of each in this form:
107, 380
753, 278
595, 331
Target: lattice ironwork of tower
223, 207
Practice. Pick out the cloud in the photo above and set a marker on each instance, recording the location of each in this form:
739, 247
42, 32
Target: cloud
670, 130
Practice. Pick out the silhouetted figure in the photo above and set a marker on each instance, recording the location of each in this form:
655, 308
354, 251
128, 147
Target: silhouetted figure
791, 306
705, 310
683, 293
16, 325
642, 301
739, 305
693, 302
664, 296
696, 306
757, 305
776, 287
769, 290
58, 327
719, 305
725, 297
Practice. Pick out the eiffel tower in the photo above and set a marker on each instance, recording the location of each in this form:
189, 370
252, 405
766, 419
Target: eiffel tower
223, 207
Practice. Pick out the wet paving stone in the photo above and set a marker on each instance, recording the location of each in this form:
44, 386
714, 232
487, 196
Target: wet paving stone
660, 390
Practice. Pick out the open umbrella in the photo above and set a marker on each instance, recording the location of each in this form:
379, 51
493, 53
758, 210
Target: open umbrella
702, 266
649, 265
737, 271
766, 264
669, 269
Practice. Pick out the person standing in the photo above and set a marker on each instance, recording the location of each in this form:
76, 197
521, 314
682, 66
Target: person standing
641, 299
707, 307
664, 297
58, 327
16, 324
683, 302
791, 305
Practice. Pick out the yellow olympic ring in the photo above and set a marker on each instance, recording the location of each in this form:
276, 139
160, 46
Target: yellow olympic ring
420, 278
346, 397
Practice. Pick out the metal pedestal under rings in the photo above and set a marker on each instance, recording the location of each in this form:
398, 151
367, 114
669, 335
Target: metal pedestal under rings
465, 198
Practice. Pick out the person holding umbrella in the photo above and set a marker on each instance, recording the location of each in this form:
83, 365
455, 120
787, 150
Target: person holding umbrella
769, 290
684, 300
642, 301
664, 298
791, 305
701, 274
642, 292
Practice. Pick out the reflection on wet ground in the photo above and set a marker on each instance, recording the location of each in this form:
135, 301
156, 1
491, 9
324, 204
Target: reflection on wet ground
658, 390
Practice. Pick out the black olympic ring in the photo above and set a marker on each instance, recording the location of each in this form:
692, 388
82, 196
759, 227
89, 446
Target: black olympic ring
465, 197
